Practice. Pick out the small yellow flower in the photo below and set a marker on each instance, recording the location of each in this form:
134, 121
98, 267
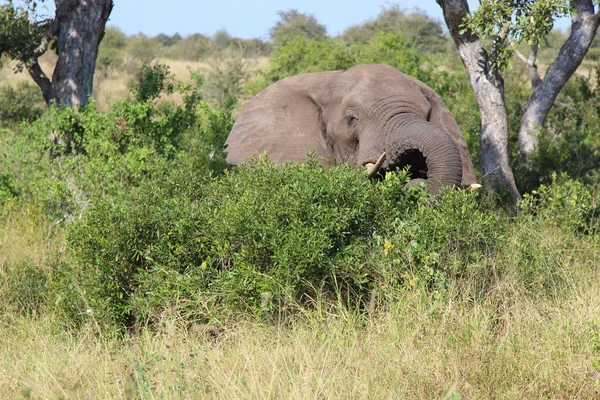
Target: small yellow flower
387, 245
203, 266
411, 282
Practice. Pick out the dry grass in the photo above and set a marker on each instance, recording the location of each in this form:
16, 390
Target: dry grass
502, 347
26, 235
113, 85
8, 75
540, 349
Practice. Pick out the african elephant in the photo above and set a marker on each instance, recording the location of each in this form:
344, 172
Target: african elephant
370, 115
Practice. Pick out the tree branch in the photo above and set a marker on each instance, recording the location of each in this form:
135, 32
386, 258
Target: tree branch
488, 86
497, 42
533, 69
521, 57
534, 75
41, 79
51, 33
583, 30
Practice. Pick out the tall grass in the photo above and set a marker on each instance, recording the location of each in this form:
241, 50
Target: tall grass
412, 349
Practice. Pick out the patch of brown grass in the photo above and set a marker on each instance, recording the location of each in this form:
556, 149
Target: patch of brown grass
412, 350
113, 84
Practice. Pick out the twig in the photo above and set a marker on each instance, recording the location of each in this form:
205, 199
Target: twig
534, 75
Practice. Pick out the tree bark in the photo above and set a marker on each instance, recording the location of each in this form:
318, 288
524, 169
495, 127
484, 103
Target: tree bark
79, 26
583, 30
489, 92
40, 78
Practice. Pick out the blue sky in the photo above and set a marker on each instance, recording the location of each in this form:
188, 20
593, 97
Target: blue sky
248, 18
245, 18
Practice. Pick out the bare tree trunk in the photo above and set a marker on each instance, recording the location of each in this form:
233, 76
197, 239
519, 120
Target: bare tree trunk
489, 92
79, 26
583, 30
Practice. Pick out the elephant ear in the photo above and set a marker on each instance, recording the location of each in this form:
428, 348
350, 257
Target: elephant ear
284, 120
441, 117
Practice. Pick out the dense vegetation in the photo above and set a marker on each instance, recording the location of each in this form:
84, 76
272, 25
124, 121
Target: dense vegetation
128, 223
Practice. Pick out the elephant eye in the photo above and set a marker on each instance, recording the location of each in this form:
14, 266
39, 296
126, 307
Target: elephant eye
351, 119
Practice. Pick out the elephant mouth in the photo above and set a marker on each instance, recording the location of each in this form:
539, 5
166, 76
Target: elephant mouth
412, 160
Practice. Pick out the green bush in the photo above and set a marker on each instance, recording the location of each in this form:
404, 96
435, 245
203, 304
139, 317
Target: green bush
21, 103
7, 187
262, 229
569, 141
23, 288
66, 158
226, 78
264, 238
563, 203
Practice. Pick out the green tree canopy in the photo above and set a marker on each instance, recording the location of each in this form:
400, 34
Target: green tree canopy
293, 23
416, 26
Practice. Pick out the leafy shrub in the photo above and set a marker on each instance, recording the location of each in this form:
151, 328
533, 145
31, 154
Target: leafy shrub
564, 202
23, 103
67, 158
204, 151
151, 81
7, 187
262, 229
439, 240
264, 237
226, 78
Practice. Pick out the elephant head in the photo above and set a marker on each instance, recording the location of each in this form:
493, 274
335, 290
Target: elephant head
370, 115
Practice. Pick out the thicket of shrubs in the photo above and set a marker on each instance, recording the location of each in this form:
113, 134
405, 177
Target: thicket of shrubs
21, 103
157, 221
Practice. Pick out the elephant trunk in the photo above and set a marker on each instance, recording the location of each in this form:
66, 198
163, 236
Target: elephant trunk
427, 150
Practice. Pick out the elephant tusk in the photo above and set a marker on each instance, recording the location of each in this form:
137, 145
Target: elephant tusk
474, 186
373, 168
